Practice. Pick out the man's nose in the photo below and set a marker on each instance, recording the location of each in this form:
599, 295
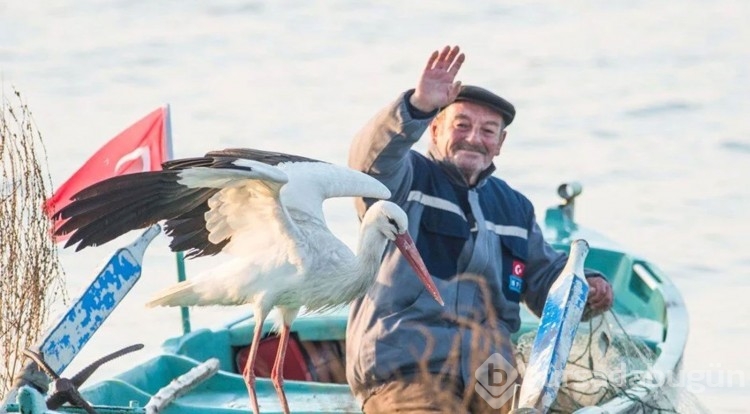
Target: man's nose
474, 135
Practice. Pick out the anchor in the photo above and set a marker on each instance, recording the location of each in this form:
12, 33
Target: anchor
66, 389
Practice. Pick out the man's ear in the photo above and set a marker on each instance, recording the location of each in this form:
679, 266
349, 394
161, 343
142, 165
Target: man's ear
502, 140
434, 131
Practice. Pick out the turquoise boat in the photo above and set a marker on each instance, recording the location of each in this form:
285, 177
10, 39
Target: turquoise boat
197, 373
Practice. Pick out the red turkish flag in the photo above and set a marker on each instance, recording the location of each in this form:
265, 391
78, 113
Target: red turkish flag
141, 147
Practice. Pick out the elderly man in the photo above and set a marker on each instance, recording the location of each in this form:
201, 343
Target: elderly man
479, 239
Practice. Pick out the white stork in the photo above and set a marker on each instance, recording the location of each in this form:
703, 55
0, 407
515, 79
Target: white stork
264, 208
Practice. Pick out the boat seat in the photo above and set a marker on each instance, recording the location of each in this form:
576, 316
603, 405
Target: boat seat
319, 361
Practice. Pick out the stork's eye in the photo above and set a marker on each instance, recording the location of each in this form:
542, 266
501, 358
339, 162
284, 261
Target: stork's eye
393, 223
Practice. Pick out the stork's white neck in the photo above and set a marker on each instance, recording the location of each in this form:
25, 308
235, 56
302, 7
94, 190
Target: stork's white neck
372, 242
370, 248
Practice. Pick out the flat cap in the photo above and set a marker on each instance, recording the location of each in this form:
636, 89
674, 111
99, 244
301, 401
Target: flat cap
484, 97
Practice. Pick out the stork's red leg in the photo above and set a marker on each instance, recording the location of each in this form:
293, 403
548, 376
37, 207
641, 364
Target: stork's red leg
248, 373
277, 373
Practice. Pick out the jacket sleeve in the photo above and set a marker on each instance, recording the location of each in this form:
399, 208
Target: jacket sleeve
544, 264
380, 149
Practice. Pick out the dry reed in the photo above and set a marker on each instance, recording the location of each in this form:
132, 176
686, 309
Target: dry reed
31, 277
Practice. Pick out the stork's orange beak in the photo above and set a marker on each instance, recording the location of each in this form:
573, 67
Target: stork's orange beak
405, 243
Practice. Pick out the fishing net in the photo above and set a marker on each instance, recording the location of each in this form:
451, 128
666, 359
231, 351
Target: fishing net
606, 362
31, 277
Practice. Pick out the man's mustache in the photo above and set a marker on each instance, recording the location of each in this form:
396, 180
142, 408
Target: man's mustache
469, 147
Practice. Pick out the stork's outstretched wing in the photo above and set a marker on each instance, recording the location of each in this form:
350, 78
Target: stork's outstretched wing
206, 201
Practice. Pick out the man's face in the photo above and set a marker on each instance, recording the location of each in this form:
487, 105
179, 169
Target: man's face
469, 136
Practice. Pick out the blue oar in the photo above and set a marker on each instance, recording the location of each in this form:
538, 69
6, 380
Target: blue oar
67, 337
557, 329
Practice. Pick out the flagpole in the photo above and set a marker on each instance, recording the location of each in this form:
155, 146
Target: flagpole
179, 256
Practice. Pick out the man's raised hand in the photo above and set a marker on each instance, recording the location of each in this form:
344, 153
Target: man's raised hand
437, 86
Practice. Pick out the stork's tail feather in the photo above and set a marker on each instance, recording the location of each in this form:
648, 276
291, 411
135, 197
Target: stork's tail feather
181, 294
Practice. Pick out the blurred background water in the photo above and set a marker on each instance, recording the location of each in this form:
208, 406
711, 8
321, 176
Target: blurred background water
643, 102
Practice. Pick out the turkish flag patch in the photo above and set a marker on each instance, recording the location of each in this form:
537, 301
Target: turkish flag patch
518, 268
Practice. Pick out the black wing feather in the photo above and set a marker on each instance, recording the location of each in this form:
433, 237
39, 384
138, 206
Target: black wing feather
112, 195
266, 157
143, 209
111, 208
191, 236
185, 163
